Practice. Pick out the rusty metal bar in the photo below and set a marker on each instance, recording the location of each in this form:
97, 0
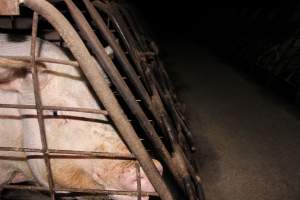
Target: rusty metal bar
77, 190
165, 88
159, 105
56, 108
106, 8
108, 192
121, 29
134, 14
48, 60
119, 53
124, 26
174, 113
26, 187
102, 90
156, 111
38, 102
15, 158
53, 153
150, 75
132, 24
128, 67
138, 182
116, 78
183, 162
152, 79
129, 18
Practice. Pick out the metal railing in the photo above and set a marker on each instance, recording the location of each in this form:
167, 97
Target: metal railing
157, 95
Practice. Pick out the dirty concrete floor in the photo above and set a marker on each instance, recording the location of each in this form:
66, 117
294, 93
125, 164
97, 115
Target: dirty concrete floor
248, 140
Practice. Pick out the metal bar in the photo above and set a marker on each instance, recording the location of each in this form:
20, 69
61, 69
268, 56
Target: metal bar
105, 155
38, 102
15, 158
116, 78
39, 59
106, 8
119, 53
124, 27
26, 187
79, 190
56, 108
126, 15
138, 181
108, 192
183, 168
132, 74
120, 28
157, 113
53, 153
132, 24
102, 90
174, 111
160, 108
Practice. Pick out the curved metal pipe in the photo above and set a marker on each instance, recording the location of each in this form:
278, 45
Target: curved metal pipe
103, 92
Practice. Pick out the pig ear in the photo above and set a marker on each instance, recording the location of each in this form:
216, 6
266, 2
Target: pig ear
11, 73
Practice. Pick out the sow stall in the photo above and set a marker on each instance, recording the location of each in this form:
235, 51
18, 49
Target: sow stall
141, 101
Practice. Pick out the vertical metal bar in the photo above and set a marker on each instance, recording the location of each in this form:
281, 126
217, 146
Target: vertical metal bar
138, 178
38, 102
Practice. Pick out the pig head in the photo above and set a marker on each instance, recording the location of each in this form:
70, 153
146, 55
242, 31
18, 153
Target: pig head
62, 85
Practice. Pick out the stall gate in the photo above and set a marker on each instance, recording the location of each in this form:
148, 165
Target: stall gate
141, 101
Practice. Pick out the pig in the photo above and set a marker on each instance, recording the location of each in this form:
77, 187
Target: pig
60, 85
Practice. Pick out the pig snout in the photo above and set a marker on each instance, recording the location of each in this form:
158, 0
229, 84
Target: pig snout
129, 182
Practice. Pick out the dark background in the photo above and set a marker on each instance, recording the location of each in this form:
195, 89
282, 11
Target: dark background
243, 111
237, 36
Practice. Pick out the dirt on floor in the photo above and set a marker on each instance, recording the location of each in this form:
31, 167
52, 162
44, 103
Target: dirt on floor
248, 140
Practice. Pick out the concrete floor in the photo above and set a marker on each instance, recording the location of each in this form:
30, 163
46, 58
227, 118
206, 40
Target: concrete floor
248, 140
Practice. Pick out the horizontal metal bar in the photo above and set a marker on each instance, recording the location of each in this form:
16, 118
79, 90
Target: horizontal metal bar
109, 192
25, 187
59, 154
57, 108
77, 190
40, 59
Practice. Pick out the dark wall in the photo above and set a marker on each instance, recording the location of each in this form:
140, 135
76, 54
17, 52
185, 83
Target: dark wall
242, 37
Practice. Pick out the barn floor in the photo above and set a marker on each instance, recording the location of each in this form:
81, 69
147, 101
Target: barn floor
248, 140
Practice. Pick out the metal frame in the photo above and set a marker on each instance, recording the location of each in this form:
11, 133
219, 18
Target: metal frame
155, 97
